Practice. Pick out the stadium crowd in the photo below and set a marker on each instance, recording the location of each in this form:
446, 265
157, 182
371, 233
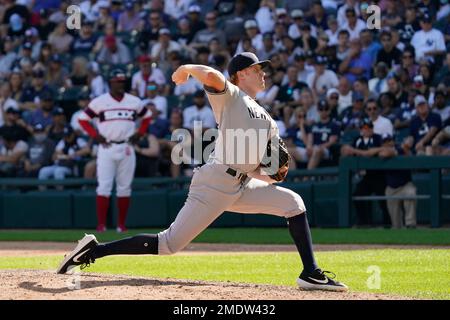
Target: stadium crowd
335, 87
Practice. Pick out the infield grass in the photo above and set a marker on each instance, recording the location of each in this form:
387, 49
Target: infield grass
415, 273
423, 236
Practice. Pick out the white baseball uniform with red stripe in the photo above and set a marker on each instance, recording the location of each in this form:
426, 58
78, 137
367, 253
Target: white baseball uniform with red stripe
117, 123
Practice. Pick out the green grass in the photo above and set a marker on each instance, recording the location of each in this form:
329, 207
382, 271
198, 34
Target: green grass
257, 236
413, 273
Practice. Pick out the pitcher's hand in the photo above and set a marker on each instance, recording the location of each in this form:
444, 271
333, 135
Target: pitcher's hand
180, 75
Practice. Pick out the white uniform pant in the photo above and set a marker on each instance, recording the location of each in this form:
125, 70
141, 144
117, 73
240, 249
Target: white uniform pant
116, 161
399, 207
212, 192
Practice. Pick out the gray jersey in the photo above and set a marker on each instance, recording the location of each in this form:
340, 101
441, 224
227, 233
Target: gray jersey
244, 128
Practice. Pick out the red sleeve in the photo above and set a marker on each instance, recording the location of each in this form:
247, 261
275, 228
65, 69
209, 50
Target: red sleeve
86, 125
144, 125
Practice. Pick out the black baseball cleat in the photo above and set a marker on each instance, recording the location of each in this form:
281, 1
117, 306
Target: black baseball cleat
80, 256
317, 280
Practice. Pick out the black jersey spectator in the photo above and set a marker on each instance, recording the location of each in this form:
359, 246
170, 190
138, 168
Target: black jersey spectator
12, 154
368, 144
14, 125
56, 129
322, 137
85, 40
388, 54
31, 95
352, 117
39, 154
45, 26
423, 127
147, 156
297, 138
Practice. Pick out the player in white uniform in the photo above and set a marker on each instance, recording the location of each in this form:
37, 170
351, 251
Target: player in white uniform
224, 184
117, 113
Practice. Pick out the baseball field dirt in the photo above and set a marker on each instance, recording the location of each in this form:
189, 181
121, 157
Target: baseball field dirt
45, 284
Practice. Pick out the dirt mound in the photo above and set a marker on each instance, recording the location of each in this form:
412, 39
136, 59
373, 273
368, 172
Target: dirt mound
34, 284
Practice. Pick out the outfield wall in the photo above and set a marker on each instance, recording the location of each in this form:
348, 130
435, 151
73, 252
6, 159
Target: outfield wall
158, 207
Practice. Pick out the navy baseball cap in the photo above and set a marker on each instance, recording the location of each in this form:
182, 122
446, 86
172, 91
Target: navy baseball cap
366, 123
67, 131
386, 137
38, 128
244, 60
58, 111
321, 60
117, 75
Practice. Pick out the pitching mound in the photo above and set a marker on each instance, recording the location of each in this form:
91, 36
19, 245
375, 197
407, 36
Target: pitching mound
33, 284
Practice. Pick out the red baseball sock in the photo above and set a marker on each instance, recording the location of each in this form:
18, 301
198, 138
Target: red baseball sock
102, 209
123, 204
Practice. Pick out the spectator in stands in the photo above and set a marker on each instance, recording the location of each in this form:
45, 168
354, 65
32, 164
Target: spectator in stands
354, 25
195, 19
60, 40
343, 45
441, 105
7, 57
6, 101
297, 138
323, 136
387, 106
318, 18
31, 94
17, 84
159, 101
408, 62
406, 112
441, 142
304, 70
252, 33
268, 48
56, 129
399, 184
176, 8
43, 114
351, 118
14, 125
342, 11
368, 144
85, 40
114, 51
333, 100
45, 26
211, 31
322, 78
160, 51
308, 102
389, 54
80, 75
146, 74
149, 33
409, 26
97, 85
356, 64
443, 74
129, 19
289, 93
12, 153
200, 112
428, 42
397, 91
378, 84
361, 86
68, 152
423, 128
381, 125
56, 74
184, 35
39, 153
307, 41
345, 94
369, 46
332, 30
147, 156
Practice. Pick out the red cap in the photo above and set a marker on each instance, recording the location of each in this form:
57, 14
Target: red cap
143, 59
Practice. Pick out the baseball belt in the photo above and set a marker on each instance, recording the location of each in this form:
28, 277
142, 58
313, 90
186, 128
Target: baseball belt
240, 176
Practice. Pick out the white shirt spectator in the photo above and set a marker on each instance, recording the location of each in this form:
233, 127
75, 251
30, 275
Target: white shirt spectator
91, 12
444, 113
139, 84
98, 86
341, 17
303, 74
176, 8
327, 80
424, 42
373, 83
383, 126
9, 103
21, 146
264, 18
332, 37
205, 115
158, 52
344, 101
354, 33
295, 33
160, 103
257, 43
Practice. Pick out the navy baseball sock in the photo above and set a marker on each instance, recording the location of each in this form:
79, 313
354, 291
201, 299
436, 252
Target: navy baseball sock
140, 244
299, 230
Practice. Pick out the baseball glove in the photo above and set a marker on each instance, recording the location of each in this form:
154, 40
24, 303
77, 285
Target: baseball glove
279, 151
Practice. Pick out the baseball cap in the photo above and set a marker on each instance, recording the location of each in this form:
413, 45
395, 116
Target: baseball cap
67, 131
129, 4
366, 123
322, 105
58, 111
281, 11
332, 91
418, 100
144, 58
117, 75
297, 13
38, 73
267, 35
193, 8
12, 109
321, 60
56, 58
244, 60
250, 24
164, 31
27, 45
426, 18
386, 137
38, 128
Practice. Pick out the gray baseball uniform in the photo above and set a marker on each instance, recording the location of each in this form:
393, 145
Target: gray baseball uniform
221, 184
